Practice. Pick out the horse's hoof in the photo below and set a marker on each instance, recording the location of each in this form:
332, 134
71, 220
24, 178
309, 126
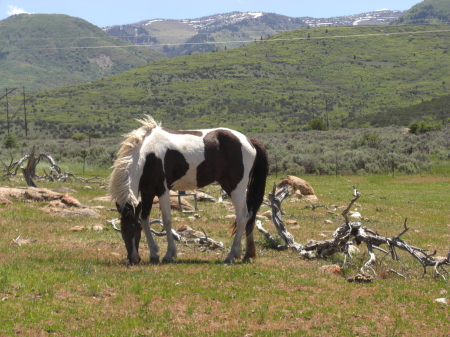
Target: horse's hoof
228, 261
154, 260
247, 259
166, 260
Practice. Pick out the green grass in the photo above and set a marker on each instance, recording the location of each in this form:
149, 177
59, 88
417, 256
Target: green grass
78, 284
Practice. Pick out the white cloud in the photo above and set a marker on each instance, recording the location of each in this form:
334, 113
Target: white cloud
13, 10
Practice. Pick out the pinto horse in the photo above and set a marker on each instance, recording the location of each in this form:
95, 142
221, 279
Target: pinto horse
153, 160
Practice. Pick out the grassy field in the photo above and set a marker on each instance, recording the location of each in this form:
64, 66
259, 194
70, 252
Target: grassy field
67, 283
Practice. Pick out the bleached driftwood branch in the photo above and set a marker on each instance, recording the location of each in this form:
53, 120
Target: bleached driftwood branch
55, 174
354, 233
276, 198
186, 236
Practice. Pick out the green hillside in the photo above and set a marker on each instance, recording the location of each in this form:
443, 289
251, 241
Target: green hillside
339, 74
426, 12
43, 51
437, 109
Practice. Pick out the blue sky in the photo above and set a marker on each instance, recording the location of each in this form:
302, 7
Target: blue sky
104, 13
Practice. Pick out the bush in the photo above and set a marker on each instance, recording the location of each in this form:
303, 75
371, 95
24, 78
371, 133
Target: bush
79, 136
316, 124
424, 127
10, 142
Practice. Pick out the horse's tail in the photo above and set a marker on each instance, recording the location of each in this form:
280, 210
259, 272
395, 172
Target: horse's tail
256, 184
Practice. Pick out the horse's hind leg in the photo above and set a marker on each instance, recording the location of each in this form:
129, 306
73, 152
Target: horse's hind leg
250, 251
164, 203
152, 245
240, 206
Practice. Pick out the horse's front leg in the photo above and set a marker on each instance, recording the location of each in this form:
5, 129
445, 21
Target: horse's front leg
152, 245
164, 204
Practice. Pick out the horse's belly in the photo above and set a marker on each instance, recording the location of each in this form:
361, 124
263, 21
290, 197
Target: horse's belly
187, 182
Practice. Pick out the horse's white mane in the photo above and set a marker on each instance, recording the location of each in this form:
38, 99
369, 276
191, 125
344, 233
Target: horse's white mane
119, 181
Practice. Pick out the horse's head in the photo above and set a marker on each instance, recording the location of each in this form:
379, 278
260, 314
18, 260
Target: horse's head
131, 228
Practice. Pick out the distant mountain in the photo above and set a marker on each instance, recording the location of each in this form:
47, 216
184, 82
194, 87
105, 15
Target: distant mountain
222, 31
427, 12
42, 51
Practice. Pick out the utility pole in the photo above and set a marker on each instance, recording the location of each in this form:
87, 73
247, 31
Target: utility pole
7, 105
25, 112
7, 110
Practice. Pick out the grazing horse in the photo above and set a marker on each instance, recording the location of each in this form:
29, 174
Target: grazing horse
153, 160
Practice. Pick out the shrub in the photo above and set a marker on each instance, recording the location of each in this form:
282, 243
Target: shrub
79, 136
316, 124
424, 127
10, 142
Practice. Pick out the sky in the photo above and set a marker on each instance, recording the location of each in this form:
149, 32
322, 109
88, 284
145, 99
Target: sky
103, 13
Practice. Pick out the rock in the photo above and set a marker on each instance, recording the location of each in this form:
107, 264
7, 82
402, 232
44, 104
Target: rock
356, 215
267, 214
328, 222
4, 201
330, 269
70, 201
230, 216
297, 194
98, 228
41, 194
106, 198
360, 278
63, 190
300, 187
291, 222
353, 250
202, 196
188, 232
87, 188
23, 241
441, 300
185, 205
77, 228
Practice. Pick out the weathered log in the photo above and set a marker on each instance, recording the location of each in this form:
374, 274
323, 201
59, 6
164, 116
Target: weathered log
350, 233
276, 198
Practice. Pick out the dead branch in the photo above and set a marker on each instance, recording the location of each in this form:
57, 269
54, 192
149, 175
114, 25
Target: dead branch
353, 233
54, 174
276, 198
187, 237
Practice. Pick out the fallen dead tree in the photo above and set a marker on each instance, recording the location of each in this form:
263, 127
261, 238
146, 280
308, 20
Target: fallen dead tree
348, 234
55, 174
186, 235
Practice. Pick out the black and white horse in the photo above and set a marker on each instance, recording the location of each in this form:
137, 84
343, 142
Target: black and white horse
153, 160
